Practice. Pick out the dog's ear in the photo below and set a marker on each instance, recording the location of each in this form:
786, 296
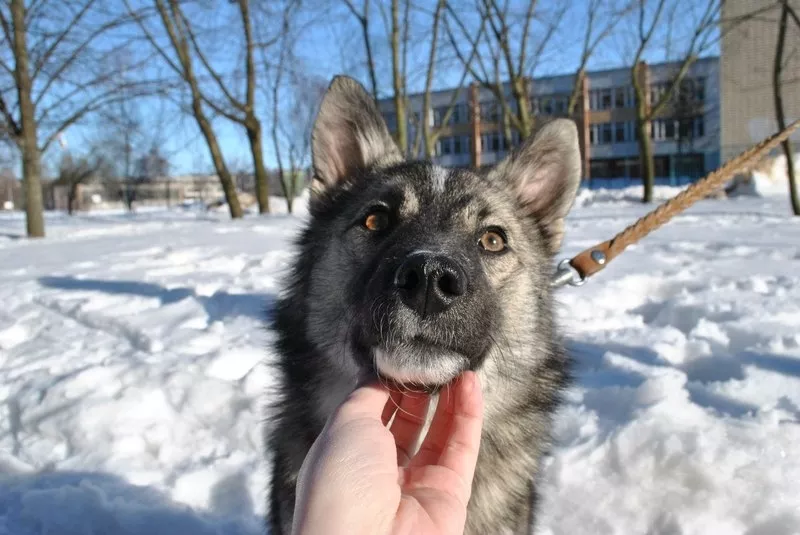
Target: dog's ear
349, 134
544, 173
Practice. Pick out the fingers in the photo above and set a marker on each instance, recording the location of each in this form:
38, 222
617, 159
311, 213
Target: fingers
391, 406
408, 422
367, 401
453, 440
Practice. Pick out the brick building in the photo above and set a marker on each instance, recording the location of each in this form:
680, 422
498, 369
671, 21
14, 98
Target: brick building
746, 66
686, 138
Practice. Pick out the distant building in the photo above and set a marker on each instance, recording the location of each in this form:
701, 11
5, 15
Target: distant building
10, 191
686, 138
180, 189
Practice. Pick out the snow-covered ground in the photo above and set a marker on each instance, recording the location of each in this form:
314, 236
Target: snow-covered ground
132, 373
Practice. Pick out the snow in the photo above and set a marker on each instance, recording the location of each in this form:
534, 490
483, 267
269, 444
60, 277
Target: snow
133, 376
769, 179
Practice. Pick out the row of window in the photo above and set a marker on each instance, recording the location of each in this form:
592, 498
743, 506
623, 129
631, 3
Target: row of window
660, 130
681, 165
691, 91
490, 142
615, 97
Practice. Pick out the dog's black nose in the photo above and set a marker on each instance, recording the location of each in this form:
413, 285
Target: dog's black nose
429, 283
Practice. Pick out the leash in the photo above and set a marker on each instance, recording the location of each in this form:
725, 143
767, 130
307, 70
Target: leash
576, 270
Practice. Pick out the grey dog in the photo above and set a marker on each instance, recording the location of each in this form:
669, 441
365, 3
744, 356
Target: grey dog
412, 272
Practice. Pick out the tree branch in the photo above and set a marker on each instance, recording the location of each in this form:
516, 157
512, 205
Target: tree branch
42, 60
202, 57
10, 121
525, 30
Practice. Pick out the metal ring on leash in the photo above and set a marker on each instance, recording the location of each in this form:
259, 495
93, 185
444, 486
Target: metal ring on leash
566, 274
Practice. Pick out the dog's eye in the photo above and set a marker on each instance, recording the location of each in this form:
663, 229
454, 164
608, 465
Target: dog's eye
493, 241
376, 221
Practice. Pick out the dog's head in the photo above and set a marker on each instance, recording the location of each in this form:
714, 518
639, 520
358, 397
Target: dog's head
418, 272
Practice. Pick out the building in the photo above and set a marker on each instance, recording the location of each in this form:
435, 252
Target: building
200, 189
686, 134
746, 67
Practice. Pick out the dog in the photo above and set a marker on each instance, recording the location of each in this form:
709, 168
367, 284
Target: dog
413, 273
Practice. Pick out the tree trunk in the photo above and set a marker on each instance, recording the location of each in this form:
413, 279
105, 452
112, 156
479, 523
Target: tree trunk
28, 142
279, 160
518, 90
646, 164
398, 82
72, 193
290, 196
261, 178
779, 112
228, 187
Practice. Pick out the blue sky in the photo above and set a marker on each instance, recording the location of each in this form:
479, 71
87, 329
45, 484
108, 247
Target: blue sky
331, 44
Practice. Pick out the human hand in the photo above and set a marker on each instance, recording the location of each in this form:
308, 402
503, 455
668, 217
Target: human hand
358, 477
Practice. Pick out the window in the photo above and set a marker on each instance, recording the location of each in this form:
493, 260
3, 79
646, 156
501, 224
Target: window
700, 90
657, 91
497, 142
619, 133
657, 129
606, 133
603, 133
669, 129
438, 115
620, 97
691, 127
457, 145
605, 99
686, 128
490, 111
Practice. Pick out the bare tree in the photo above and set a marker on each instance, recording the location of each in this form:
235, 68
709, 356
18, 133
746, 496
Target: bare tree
512, 53
700, 38
241, 110
363, 17
777, 72
432, 134
74, 172
177, 28
293, 114
399, 72
602, 16
53, 53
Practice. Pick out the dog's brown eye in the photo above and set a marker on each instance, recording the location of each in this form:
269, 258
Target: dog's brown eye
376, 221
493, 241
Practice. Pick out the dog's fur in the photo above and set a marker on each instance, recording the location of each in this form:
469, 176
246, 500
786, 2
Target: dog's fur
344, 317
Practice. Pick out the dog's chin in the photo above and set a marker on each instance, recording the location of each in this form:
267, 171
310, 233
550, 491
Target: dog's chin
419, 367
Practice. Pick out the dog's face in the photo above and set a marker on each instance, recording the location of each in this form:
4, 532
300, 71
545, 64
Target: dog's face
422, 272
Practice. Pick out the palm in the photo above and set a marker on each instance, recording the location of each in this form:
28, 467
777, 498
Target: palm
359, 478
435, 484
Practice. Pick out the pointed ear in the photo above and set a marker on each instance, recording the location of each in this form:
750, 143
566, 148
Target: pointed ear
544, 173
349, 135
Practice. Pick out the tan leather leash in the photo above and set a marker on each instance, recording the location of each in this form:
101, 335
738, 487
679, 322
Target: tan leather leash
578, 269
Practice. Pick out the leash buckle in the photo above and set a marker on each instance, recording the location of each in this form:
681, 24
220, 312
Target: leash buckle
566, 274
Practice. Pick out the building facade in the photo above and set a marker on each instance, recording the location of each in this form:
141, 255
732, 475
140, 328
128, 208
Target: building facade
685, 134
746, 68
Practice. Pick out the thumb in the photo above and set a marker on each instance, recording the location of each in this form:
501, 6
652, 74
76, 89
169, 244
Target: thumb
366, 401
